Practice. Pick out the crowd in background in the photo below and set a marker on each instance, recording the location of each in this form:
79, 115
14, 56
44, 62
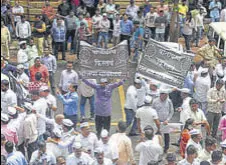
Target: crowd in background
35, 131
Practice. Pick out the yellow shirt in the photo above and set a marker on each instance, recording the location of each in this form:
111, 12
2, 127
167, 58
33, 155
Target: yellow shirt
183, 9
5, 35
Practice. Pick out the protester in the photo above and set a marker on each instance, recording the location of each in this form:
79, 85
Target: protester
51, 63
5, 40
23, 30
70, 101
103, 105
164, 107
38, 67
187, 30
148, 149
123, 144
38, 28
68, 76
216, 98
59, 36
8, 97
39, 128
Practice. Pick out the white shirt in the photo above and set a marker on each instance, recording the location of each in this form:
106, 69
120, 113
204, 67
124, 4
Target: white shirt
22, 58
48, 156
23, 78
116, 27
149, 151
131, 98
41, 106
8, 99
96, 21
23, 30
198, 116
67, 141
223, 15
51, 100
106, 162
16, 10
55, 150
185, 162
84, 159
132, 11
89, 143
30, 128
147, 115
196, 145
150, 19
51, 122
86, 90
184, 114
110, 150
204, 155
68, 78
15, 123
219, 69
202, 85
141, 93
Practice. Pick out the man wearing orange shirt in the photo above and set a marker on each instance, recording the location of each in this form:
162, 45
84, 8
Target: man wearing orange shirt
38, 67
49, 11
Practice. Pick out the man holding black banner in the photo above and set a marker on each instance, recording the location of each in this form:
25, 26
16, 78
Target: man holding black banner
103, 105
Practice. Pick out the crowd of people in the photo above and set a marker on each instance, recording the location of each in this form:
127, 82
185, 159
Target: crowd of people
102, 23
34, 130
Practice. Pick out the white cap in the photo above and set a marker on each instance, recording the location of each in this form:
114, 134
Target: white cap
57, 133
223, 144
104, 14
22, 42
77, 145
43, 88
85, 124
4, 117
103, 80
104, 133
99, 150
11, 111
185, 90
28, 106
148, 99
204, 70
137, 81
165, 91
194, 132
20, 66
67, 122
220, 74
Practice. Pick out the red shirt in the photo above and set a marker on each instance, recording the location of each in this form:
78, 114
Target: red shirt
43, 70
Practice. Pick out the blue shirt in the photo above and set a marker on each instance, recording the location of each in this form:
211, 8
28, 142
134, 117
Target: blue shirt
138, 32
16, 158
215, 12
126, 27
189, 83
147, 9
70, 101
59, 33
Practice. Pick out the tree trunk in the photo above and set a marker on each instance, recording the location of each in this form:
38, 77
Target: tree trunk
174, 23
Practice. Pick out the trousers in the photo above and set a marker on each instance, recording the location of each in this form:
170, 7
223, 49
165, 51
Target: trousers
39, 43
102, 122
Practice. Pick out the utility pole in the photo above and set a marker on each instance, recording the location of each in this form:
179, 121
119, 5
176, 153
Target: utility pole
174, 23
